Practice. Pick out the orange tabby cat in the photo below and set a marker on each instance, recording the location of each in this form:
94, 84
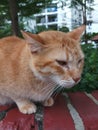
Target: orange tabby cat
31, 69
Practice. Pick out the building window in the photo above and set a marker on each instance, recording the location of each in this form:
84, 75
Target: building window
52, 8
40, 19
52, 18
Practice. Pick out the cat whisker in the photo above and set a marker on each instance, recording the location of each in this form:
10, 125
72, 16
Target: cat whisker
58, 89
51, 89
54, 90
46, 88
50, 92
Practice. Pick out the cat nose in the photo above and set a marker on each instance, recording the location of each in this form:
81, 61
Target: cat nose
77, 79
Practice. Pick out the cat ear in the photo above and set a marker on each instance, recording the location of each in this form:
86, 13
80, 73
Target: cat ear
77, 33
33, 41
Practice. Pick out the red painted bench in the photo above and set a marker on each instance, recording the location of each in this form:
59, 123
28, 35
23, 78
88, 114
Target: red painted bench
72, 111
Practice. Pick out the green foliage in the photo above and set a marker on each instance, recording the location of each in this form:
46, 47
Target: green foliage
29, 7
89, 81
26, 9
4, 18
5, 31
39, 29
64, 29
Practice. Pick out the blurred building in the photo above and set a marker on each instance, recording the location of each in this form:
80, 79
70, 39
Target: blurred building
94, 27
54, 16
57, 15
76, 16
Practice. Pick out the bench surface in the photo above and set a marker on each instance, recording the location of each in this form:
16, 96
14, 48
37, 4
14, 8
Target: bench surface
71, 111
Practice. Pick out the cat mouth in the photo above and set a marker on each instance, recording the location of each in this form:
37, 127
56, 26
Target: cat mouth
67, 84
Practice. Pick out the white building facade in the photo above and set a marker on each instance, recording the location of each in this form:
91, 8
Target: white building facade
94, 27
54, 16
57, 15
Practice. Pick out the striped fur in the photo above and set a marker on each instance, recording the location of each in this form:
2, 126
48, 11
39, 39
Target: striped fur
33, 67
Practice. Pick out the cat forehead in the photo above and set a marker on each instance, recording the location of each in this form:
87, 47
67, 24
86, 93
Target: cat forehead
51, 32
52, 35
60, 41
63, 54
57, 38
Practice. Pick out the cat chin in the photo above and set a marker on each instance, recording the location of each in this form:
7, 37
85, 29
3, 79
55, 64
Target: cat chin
66, 84
70, 86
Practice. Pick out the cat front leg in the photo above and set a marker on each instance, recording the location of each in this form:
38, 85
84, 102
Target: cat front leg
25, 106
49, 102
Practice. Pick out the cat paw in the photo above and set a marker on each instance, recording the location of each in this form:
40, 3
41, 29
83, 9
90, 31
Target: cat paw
49, 102
27, 107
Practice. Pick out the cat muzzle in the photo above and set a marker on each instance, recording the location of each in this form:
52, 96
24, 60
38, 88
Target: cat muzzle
77, 80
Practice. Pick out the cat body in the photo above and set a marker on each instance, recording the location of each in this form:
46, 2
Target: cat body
32, 68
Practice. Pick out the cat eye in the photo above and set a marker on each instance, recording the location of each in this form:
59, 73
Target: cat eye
61, 62
79, 61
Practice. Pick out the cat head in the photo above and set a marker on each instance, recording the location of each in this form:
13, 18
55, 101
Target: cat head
56, 56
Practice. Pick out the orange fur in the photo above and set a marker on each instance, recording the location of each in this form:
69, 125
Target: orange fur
32, 68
